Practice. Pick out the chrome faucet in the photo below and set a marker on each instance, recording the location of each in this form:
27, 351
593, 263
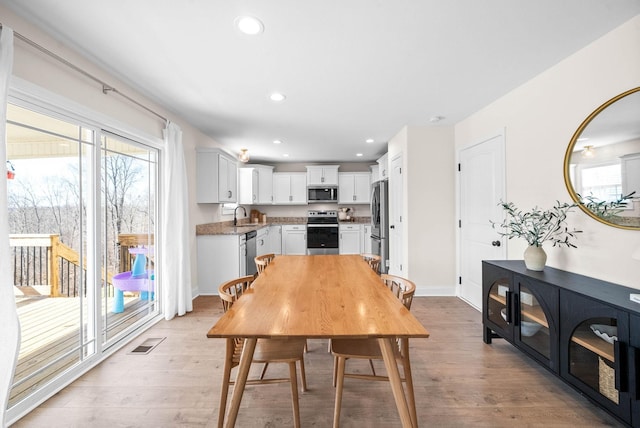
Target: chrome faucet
235, 218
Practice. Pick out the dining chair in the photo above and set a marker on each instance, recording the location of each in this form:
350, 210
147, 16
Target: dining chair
373, 260
267, 351
369, 349
263, 261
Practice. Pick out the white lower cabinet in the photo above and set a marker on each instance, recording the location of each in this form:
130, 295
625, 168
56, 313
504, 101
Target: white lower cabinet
366, 238
350, 238
275, 239
220, 259
294, 239
262, 241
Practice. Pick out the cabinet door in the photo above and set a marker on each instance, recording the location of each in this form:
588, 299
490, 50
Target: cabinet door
247, 186
383, 167
535, 325
281, 188
298, 188
345, 188
497, 304
349, 239
594, 340
315, 176
294, 240
262, 242
265, 185
275, 239
366, 239
228, 179
362, 188
207, 177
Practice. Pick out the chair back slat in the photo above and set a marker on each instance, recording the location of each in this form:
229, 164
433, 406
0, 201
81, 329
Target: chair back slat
373, 260
231, 291
263, 261
402, 288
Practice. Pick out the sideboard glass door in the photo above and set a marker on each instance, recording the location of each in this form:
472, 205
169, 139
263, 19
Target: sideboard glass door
592, 355
533, 326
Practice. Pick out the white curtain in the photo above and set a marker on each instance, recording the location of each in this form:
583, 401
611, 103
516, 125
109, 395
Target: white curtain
176, 259
10, 325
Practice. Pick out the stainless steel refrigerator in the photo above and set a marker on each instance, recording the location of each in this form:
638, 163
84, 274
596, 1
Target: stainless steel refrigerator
380, 222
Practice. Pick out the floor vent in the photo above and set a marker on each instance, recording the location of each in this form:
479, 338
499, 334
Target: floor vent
147, 346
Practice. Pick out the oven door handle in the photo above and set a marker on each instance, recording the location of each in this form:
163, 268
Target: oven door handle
322, 225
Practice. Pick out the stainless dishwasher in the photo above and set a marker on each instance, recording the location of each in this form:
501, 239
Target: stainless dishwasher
251, 252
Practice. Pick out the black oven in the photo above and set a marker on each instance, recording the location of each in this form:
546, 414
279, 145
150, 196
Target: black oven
322, 232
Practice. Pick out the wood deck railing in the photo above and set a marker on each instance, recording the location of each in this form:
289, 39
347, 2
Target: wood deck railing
41, 260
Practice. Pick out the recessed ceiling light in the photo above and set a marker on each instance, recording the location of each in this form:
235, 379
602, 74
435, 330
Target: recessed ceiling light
249, 25
369, 140
277, 97
286, 155
277, 141
359, 154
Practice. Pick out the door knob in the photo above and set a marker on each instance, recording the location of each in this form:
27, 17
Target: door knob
495, 243
392, 227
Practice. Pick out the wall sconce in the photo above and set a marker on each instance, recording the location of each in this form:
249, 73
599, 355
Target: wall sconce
588, 152
244, 155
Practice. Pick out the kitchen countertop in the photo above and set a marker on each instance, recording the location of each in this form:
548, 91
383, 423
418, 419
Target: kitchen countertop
244, 226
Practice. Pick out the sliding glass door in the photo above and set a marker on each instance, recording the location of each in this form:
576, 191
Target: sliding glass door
82, 206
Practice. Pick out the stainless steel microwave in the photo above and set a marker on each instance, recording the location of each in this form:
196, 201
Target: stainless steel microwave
322, 194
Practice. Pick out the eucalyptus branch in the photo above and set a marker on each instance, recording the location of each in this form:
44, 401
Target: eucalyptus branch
537, 226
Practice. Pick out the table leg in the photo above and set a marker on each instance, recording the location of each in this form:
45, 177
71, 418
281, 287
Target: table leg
386, 347
241, 379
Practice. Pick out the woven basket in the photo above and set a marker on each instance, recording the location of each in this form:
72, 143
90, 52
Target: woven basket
606, 380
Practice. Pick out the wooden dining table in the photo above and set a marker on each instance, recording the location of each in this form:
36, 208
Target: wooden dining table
319, 297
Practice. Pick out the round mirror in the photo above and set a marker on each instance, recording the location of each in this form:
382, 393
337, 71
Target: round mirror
602, 162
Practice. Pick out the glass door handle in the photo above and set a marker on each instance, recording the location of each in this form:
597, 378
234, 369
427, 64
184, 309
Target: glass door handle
620, 355
634, 355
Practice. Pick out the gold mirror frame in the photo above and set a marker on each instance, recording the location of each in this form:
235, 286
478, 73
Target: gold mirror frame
567, 165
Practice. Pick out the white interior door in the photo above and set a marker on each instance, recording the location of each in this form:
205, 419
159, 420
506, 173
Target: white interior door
396, 211
482, 186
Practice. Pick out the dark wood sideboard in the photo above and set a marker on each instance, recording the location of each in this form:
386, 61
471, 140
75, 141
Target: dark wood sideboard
584, 330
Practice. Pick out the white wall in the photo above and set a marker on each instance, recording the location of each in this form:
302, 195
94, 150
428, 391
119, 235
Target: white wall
429, 206
540, 118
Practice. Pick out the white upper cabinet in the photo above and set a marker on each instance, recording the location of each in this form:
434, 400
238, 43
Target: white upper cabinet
322, 175
354, 188
255, 185
247, 186
383, 167
375, 172
290, 188
216, 177
265, 184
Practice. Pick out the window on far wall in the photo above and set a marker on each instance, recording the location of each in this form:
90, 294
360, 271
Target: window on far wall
603, 182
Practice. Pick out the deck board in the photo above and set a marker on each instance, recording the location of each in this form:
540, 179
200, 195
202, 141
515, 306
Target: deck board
50, 329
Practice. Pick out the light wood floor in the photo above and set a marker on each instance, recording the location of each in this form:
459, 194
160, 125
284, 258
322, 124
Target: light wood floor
459, 382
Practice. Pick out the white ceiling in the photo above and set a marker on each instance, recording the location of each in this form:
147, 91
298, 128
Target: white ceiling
351, 69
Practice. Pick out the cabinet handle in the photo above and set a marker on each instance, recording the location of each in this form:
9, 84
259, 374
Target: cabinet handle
634, 354
509, 298
620, 355
354, 197
515, 297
